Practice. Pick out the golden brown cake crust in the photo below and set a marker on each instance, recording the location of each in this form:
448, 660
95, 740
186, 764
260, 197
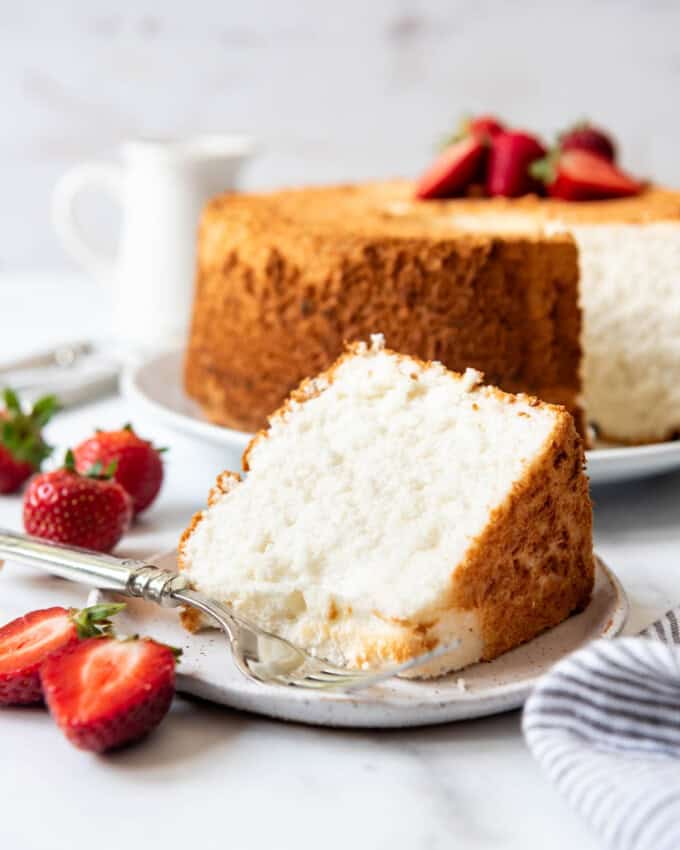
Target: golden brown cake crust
284, 279
531, 568
545, 528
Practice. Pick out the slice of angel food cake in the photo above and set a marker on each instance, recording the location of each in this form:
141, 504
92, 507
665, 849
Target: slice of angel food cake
392, 507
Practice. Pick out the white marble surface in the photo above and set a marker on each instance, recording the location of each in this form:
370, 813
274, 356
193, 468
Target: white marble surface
334, 91
215, 778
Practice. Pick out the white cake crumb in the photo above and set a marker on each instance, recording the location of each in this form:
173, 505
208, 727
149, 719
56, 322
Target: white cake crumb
377, 342
471, 379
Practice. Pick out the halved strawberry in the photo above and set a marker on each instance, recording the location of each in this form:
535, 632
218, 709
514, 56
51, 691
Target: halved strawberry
511, 155
453, 170
104, 693
577, 175
27, 641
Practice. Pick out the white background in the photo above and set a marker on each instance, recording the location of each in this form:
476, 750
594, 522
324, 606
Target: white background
334, 89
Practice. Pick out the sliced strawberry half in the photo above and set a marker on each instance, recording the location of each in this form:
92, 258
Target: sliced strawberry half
453, 170
510, 159
577, 175
104, 693
27, 641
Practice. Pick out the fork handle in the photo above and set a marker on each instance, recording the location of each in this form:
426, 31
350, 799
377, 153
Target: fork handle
127, 576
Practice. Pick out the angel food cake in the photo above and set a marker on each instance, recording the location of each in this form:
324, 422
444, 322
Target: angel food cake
285, 279
577, 303
391, 507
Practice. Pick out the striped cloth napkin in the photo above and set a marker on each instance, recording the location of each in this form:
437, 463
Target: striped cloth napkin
604, 724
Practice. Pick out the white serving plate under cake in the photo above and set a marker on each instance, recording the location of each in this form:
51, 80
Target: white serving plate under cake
206, 670
156, 385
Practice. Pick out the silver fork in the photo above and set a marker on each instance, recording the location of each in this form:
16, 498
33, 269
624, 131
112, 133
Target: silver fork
258, 654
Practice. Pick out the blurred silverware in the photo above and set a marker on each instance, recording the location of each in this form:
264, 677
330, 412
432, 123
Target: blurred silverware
77, 373
63, 356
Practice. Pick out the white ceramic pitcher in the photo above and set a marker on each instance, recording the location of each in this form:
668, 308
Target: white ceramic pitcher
161, 187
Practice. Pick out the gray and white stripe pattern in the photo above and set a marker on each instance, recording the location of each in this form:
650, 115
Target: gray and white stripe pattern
604, 724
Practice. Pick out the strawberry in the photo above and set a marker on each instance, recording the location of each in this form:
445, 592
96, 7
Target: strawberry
453, 170
585, 137
139, 468
483, 127
27, 641
511, 155
92, 511
104, 692
577, 175
22, 448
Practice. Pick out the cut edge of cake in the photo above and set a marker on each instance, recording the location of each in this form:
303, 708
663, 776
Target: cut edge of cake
528, 570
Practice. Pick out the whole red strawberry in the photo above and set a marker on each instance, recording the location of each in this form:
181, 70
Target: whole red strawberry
92, 511
510, 159
27, 641
139, 468
483, 126
22, 448
480, 127
585, 137
104, 693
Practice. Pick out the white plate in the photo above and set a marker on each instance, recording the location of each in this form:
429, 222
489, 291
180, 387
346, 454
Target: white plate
156, 385
206, 669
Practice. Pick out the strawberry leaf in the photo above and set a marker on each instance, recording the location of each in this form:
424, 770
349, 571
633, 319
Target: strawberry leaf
21, 433
544, 169
176, 651
95, 620
44, 409
69, 461
101, 473
11, 400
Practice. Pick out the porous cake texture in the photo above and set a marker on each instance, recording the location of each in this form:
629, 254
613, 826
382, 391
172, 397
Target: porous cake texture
392, 507
630, 292
285, 279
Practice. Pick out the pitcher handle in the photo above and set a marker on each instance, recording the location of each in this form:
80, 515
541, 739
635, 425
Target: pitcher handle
107, 177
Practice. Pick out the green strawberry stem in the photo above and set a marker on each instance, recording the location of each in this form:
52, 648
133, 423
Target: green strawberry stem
544, 169
21, 433
11, 400
176, 651
95, 620
44, 409
96, 471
